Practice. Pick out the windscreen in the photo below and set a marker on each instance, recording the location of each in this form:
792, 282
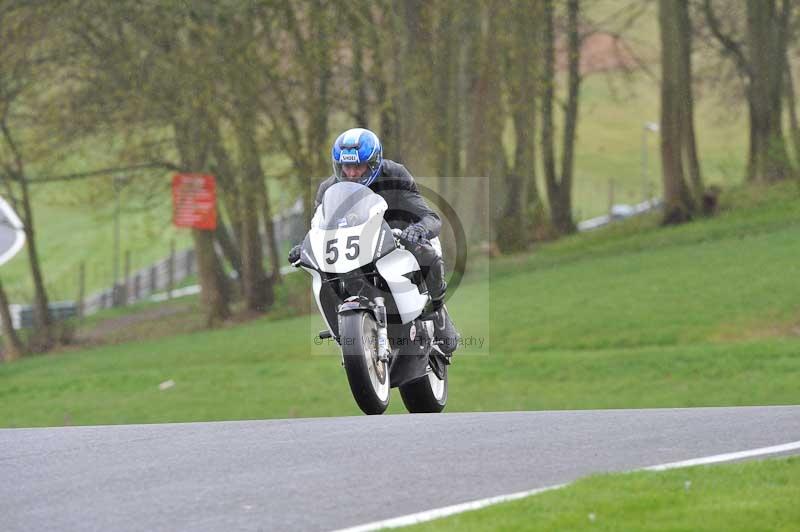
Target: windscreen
347, 204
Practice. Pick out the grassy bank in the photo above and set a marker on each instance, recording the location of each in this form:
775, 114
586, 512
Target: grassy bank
705, 314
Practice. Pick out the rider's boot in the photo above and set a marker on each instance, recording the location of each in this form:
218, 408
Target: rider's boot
445, 332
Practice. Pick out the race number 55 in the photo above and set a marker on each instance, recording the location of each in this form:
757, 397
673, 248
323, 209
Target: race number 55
352, 249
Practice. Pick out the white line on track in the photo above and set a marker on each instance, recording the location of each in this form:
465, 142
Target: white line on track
793, 446
437, 513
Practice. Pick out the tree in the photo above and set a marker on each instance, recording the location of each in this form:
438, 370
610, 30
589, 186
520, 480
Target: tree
794, 124
237, 47
559, 185
12, 347
223, 168
522, 210
296, 97
678, 152
448, 69
138, 71
760, 59
485, 151
23, 60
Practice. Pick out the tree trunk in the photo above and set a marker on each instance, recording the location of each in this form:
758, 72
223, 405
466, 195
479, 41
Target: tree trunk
548, 92
761, 65
227, 245
677, 197
522, 201
192, 147
256, 286
213, 282
12, 347
418, 84
559, 188
226, 178
269, 232
686, 102
794, 128
565, 224
319, 87
766, 39
486, 157
229, 194
43, 323
445, 69
359, 109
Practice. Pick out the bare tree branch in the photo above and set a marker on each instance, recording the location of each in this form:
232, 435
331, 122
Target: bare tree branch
729, 45
164, 165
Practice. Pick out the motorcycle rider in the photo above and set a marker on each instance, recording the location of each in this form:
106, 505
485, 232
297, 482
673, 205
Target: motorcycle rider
357, 156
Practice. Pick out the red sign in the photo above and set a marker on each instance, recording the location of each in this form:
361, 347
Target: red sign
194, 201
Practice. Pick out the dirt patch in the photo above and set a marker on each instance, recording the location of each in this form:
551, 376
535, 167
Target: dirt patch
158, 321
732, 332
111, 326
148, 323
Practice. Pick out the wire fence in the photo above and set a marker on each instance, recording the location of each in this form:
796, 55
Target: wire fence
158, 281
165, 276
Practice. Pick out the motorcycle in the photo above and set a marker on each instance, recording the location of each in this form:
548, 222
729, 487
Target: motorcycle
372, 296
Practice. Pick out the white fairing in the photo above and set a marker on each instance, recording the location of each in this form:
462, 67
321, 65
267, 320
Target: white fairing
346, 233
316, 286
345, 237
407, 297
351, 247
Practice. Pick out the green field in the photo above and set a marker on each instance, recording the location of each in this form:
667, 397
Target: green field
614, 110
69, 232
748, 496
74, 223
635, 316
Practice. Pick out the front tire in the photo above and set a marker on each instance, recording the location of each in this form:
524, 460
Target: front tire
427, 395
368, 377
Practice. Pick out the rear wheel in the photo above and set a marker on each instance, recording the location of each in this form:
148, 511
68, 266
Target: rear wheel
426, 395
368, 377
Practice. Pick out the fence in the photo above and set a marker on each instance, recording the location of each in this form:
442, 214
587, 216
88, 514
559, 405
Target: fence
166, 275
620, 212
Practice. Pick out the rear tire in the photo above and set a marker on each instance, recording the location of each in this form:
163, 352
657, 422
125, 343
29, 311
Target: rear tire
427, 395
368, 377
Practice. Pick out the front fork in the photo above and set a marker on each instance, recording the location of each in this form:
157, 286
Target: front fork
383, 336
378, 309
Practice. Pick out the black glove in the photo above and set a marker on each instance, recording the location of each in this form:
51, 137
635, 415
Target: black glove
294, 254
414, 233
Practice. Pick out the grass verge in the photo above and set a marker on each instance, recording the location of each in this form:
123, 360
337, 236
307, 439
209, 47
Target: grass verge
759, 495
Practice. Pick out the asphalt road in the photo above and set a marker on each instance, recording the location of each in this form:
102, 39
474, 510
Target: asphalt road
323, 474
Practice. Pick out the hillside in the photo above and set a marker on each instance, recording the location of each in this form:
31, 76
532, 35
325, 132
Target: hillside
633, 316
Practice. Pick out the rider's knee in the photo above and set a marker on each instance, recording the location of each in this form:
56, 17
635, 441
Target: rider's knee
426, 254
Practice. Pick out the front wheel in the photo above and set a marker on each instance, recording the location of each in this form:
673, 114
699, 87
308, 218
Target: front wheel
426, 395
367, 375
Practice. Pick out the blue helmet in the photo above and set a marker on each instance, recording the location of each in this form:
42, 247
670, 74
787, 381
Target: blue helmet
357, 146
